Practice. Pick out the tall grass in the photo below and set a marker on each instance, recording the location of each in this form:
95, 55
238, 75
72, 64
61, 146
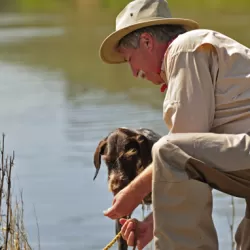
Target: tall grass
12, 229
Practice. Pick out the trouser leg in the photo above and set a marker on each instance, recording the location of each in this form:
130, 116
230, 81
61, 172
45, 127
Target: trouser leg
185, 167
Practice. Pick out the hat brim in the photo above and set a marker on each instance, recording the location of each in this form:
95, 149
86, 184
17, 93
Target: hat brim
108, 52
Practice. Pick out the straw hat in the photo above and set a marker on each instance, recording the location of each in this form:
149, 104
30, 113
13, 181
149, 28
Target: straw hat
138, 14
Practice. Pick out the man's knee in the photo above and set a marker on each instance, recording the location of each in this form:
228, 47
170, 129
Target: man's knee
169, 159
170, 143
163, 146
157, 147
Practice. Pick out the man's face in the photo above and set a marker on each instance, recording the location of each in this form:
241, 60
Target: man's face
146, 60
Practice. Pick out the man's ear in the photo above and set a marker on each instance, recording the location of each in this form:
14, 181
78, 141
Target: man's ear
146, 41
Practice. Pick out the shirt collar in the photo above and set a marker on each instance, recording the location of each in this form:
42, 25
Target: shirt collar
163, 66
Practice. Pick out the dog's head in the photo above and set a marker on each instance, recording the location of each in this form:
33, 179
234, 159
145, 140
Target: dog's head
126, 152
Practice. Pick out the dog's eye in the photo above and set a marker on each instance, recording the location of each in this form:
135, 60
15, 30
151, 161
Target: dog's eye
107, 159
130, 153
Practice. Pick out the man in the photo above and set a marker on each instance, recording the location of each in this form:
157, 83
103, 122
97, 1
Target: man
207, 112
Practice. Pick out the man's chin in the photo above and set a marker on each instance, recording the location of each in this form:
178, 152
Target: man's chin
157, 83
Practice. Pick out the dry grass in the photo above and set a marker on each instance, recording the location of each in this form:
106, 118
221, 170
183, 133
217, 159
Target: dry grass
12, 230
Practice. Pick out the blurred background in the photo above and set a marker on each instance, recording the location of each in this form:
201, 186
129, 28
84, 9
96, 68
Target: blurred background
58, 100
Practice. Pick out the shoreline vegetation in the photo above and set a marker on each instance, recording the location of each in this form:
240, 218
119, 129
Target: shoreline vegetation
13, 234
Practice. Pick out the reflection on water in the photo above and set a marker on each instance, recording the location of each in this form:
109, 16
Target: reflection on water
11, 19
57, 101
22, 34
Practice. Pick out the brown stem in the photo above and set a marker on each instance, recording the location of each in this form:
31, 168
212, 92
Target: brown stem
9, 170
2, 176
13, 230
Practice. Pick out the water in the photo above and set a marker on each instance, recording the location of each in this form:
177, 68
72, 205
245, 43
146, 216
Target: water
54, 110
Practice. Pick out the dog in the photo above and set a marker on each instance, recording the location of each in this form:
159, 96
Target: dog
126, 152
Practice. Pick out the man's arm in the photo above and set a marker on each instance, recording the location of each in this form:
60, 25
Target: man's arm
189, 104
142, 184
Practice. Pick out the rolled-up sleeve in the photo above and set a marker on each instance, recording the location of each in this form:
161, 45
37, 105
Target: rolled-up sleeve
189, 104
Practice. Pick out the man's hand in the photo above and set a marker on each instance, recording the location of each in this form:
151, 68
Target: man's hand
131, 196
124, 203
144, 232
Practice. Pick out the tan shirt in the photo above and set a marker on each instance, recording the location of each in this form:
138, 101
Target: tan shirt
208, 76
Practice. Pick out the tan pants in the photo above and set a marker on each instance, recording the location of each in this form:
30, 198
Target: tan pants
186, 169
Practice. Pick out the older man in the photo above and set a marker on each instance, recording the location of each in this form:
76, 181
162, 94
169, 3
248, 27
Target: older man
207, 112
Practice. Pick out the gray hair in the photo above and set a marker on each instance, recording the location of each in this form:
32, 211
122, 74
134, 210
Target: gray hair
162, 33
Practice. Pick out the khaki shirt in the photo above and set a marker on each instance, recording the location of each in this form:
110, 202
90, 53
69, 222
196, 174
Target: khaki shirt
208, 77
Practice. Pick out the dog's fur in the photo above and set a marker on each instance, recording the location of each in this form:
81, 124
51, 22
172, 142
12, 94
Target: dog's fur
126, 152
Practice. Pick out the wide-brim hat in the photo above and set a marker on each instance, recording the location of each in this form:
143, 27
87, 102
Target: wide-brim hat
139, 14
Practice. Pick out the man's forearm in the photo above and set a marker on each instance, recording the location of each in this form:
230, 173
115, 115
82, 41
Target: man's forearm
142, 184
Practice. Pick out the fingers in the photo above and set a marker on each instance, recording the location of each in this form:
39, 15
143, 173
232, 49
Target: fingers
140, 244
122, 221
127, 231
131, 239
111, 213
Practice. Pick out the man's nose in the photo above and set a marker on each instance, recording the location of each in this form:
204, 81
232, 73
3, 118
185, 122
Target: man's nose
138, 73
141, 74
134, 71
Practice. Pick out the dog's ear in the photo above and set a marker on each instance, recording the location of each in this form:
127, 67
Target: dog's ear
97, 156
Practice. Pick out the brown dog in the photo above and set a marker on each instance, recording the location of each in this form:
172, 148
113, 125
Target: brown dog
126, 152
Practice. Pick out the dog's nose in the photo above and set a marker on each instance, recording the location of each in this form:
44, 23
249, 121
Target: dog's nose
117, 182
116, 187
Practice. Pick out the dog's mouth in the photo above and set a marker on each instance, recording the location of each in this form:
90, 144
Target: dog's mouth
115, 189
117, 181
